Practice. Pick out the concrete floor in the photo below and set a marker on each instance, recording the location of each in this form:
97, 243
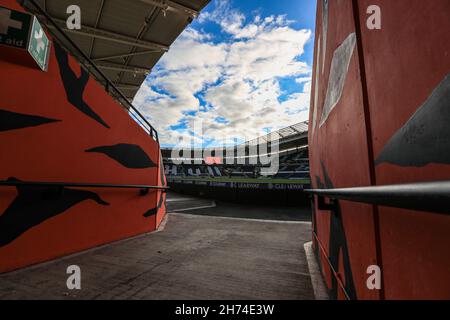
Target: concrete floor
194, 257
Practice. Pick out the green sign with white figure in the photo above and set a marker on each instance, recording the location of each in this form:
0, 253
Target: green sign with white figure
23, 31
39, 45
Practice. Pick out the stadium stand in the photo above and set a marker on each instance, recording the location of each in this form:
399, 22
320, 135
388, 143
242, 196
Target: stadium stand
292, 166
236, 174
292, 155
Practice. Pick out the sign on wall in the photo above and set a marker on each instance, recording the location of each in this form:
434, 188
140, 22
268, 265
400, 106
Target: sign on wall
23, 31
39, 45
14, 28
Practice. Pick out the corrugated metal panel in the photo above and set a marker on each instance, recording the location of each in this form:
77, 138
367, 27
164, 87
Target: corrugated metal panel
137, 31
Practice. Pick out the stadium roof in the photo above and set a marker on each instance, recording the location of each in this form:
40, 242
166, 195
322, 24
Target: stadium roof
283, 135
288, 137
124, 38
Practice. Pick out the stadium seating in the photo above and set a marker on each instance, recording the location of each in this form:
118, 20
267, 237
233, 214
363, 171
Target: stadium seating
293, 165
292, 154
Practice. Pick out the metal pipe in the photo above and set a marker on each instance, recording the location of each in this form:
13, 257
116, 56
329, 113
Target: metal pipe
122, 68
424, 196
333, 271
125, 55
8, 183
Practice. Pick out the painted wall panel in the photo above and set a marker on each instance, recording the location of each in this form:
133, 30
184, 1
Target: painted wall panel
403, 123
62, 126
347, 233
408, 67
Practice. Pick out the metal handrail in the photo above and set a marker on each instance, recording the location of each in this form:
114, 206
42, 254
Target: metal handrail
109, 84
15, 183
431, 197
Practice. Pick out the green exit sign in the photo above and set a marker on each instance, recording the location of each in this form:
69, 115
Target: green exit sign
14, 28
23, 31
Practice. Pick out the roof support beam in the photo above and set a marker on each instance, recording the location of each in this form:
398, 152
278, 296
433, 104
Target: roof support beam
131, 54
125, 86
120, 67
173, 6
112, 36
297, 132
97, 21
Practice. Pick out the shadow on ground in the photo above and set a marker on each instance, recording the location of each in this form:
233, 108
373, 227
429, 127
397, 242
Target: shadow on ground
207, 207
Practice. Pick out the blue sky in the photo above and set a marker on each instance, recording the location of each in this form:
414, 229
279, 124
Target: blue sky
240, 70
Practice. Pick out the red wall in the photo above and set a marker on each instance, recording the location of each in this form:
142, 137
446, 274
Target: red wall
404, 63
39, 149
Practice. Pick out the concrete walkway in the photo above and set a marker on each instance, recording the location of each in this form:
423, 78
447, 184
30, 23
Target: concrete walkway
194, 257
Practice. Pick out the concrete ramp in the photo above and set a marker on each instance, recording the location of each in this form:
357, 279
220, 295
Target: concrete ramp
194, 257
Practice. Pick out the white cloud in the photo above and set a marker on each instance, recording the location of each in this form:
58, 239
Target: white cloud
238, 79
192, 50
230, 20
